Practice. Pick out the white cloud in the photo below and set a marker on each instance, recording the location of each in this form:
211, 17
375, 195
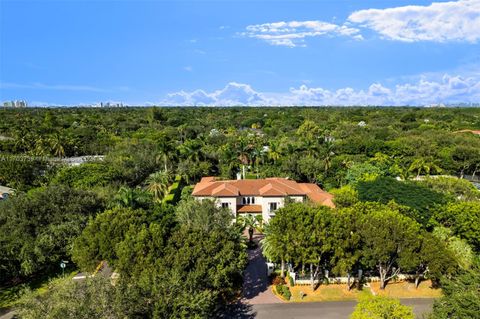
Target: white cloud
439, 22
232, 94
448, 89
293, 33
188, 68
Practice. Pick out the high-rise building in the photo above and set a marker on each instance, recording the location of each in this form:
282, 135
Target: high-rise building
17, 103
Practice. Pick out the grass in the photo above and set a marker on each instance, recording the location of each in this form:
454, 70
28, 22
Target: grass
339, 292
332, 292
407, 289
9, 295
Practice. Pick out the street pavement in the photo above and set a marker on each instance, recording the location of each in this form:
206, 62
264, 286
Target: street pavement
313, 310
324, 310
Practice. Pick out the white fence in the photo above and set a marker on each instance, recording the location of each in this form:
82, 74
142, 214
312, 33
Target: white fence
344, 280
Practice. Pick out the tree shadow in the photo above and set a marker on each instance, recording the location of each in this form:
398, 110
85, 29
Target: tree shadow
238, 310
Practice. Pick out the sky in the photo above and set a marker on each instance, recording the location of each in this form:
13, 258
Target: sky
302, 52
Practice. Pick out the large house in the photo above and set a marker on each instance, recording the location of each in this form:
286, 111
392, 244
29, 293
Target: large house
259, 196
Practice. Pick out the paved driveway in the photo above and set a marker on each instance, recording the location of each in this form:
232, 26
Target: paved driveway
256, 288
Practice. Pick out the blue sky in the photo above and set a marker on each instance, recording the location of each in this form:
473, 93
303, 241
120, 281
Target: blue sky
318, 52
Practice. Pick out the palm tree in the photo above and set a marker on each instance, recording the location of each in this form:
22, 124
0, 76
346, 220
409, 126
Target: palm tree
125, 197
243, 151
273, 248
57, 145
273, 151
229, 158
420, 165
251, 222
157, 184
128, 197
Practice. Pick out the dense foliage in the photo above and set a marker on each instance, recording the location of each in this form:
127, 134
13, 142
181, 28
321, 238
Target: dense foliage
188, 268
461, 298
368, 236
323, 145
185, 260
37, 229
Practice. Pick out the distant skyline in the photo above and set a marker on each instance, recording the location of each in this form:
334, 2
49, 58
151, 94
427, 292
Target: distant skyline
310, 52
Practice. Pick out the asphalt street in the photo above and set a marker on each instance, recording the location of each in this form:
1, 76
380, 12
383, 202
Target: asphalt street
324, 310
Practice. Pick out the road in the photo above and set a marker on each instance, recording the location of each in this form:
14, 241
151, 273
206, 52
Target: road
325, 310
313, 310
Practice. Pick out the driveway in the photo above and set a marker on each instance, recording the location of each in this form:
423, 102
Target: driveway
256, 288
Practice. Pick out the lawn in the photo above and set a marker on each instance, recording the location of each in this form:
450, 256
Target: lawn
407, 289
326, 293
339, 292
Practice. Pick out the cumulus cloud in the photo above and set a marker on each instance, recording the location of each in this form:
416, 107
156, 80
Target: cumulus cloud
448, 90
233, 94
293, 33
439, 22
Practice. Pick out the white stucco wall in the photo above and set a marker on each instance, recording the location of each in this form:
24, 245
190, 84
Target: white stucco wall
259, 200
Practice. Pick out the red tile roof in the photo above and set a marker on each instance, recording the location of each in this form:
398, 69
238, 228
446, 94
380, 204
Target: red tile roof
249, 209
211, 187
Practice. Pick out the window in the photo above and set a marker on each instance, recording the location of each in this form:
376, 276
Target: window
273, 206
225, 205
248, 200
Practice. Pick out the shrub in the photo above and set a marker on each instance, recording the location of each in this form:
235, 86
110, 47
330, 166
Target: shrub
284, 291
278, 280
290, 281
381, 307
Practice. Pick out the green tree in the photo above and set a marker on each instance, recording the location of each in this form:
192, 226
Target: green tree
101, 235
37, 230
461, 298
346, 244
460, 250
250, 222
405, 193
129, 197
433, 260
205, 215
65, 298
455, 187
345, 196
381, 308
463, 218
157, 185
389, 240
